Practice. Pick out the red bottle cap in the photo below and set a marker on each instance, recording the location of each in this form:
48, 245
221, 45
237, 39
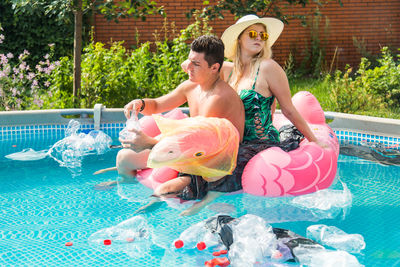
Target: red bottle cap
201, 245
216, 253
107, 242
178, 243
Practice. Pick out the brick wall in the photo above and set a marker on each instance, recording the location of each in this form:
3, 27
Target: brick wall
377, 22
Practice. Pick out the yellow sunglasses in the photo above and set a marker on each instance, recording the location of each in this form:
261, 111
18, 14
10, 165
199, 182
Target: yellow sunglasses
263, 35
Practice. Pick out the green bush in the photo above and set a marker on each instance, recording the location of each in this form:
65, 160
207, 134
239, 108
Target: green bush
348, 95
114, 76
383, 79
28, 27
371, 89
59, 94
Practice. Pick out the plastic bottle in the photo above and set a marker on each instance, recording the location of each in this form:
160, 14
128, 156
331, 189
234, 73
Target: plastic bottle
131, 123
336, 238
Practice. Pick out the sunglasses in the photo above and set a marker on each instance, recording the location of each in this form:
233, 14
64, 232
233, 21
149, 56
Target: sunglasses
263, 35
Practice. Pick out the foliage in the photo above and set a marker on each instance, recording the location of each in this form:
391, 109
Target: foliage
274, 8
383, 79
59, 94
21, 85
114, 10
314, 62
361, 47
290, 68
29, 27
348, 95
113, 76
372, 88
320, 88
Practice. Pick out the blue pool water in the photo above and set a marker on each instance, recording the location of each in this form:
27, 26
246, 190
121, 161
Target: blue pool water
43, 206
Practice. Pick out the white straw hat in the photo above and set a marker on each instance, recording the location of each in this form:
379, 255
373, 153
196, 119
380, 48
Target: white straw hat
274, 28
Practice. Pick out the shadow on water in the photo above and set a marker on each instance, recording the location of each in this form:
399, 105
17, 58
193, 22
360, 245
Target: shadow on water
373, 152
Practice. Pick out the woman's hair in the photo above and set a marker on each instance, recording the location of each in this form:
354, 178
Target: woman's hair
265, 53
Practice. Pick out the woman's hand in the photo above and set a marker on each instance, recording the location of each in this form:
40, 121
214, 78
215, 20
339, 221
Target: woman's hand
322, 144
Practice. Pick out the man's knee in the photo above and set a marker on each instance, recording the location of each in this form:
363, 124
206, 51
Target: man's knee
123, 155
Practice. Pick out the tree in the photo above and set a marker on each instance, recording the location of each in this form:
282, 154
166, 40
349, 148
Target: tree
110, 9
240, 8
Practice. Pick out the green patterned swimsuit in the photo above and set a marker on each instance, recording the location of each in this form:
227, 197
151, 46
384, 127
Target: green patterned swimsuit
258, 118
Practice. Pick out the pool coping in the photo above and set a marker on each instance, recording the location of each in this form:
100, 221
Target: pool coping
339, 121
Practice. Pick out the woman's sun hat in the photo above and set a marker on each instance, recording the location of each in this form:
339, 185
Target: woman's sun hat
274, 28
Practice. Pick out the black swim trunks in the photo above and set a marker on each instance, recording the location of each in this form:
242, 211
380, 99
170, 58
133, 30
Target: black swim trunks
198, 187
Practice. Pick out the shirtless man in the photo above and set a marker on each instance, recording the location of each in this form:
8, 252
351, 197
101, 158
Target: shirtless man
206, 94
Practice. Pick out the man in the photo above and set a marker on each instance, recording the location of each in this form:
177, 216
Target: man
206, 94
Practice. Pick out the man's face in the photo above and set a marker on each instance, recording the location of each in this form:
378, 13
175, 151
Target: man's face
198, 68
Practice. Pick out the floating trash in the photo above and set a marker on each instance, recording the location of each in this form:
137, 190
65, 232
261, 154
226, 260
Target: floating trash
69, 151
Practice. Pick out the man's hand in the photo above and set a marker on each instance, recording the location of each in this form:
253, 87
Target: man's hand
139, 142
133, 106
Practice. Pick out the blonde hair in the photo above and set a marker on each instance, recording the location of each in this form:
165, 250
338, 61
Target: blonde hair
265, 53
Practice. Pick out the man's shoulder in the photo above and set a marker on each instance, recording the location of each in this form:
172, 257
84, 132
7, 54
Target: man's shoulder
225, 89
186, 86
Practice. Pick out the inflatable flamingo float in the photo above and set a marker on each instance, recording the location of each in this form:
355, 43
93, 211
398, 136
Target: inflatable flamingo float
272, 172
309, 168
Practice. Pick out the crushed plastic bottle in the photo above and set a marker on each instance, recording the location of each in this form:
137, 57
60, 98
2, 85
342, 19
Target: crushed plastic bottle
70, 150
132, 236
199, 233
28, 154
131, 124
254, 241
336, 238
323, 257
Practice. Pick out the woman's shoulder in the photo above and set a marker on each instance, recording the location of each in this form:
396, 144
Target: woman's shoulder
226, 70
270, 66
228, 64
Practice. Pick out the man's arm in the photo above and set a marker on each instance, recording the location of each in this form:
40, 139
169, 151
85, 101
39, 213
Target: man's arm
148, 106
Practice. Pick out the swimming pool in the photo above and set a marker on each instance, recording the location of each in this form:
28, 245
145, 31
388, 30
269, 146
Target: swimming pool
44, 206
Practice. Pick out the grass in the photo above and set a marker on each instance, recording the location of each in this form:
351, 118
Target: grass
320, 90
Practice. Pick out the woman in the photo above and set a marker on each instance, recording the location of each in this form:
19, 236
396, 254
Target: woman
257, 78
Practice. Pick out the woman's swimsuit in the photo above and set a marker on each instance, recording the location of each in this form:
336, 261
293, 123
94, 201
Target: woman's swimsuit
258, 117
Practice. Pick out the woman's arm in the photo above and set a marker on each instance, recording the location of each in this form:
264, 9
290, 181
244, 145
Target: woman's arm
279, 87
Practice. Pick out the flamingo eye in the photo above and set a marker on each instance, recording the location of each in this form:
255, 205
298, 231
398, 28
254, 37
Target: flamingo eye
199, 154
